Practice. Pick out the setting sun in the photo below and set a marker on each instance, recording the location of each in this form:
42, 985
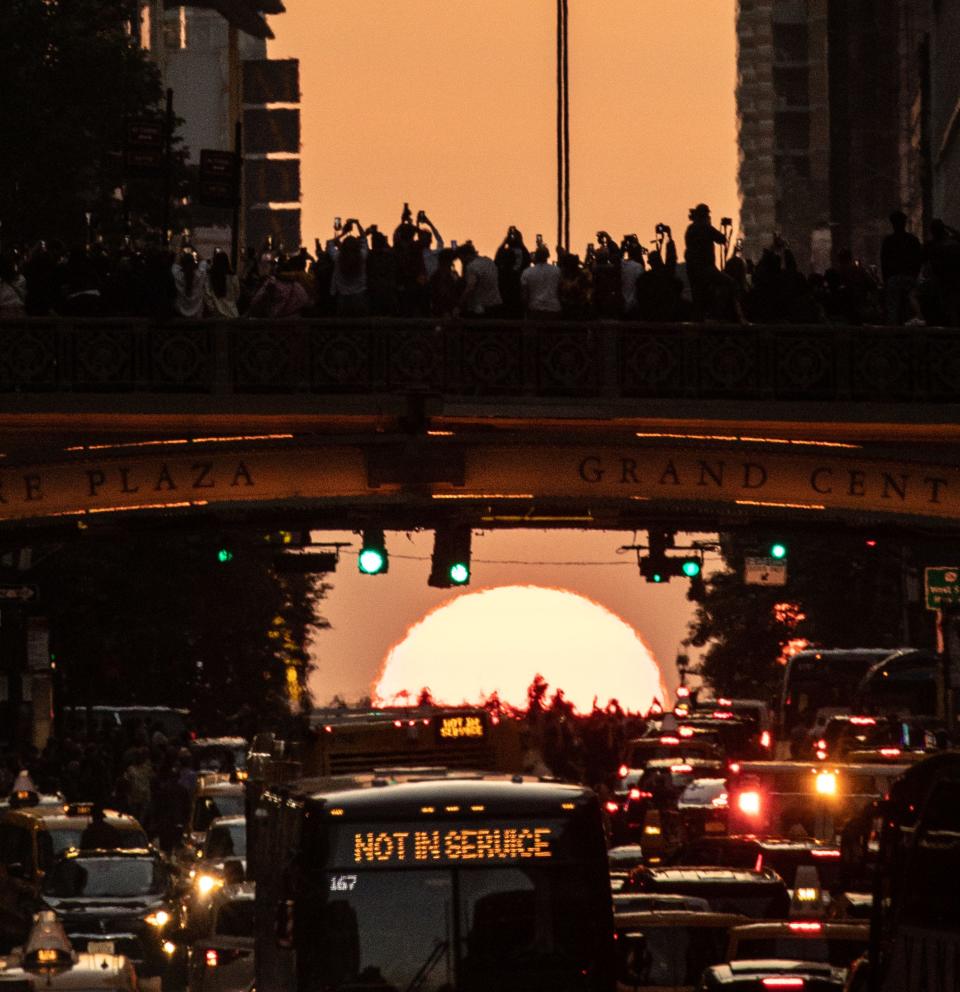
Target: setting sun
498, 640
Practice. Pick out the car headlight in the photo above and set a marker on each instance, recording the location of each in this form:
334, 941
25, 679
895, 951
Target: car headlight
158, 919
207, 883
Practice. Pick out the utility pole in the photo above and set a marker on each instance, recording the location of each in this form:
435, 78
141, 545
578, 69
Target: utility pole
563, 127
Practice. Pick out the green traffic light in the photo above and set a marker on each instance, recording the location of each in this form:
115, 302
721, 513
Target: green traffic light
778, 550
691, 568
224, 555
459, 573
657, 577
371, 561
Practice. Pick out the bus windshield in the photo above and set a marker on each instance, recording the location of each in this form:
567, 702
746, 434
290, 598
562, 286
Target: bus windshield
490, 909
817, 679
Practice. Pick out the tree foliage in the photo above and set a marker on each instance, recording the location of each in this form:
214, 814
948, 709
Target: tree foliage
70, 74
157, 618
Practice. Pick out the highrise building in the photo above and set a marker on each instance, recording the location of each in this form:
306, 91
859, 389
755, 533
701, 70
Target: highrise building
220, 76
848, 109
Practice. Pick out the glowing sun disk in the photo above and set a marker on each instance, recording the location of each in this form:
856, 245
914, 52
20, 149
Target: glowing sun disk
497, 640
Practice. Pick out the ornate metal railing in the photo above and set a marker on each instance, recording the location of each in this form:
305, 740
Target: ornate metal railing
481, 359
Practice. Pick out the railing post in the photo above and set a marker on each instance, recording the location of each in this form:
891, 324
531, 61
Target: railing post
223, 334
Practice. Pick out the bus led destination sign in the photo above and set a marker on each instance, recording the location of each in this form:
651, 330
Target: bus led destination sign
451, 845
462, 725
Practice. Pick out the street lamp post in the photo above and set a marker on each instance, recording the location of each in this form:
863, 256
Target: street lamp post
563, 127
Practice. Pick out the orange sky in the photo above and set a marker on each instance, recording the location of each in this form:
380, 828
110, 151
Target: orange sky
450, 104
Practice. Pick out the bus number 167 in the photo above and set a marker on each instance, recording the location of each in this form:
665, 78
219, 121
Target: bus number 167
342, 883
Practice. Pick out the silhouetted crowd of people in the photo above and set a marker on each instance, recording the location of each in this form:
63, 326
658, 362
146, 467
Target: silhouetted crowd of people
136, 769
361, 272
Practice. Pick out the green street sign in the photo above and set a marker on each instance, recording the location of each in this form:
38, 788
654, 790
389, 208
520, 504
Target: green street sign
942, 585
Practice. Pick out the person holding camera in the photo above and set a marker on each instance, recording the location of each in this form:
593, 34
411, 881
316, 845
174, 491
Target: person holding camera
348, 283
480, 296
700, 256
540, 286
631, 268
430, 243
511, 260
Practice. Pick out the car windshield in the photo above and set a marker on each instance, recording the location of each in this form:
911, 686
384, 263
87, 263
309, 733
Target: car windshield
704, 792
669, 955
63, 838
225, 841
235, 919
757, 900
208, 807
840, 953
220, 758
117, 877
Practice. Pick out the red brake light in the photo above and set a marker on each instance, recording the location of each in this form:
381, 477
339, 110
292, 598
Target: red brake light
812, 927
758, 864
398, 723
734, 767
724, 702
863, 721
830, 852
890, 752
722, 715
687, 731
623, 771
669, 740
210, 958
682, 769
748, 802
327, 729
784, 982
612, 807
765, 739
822, 744
683, 692
640, 794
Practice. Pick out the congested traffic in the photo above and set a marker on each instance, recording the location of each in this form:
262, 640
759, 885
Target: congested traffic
405, 850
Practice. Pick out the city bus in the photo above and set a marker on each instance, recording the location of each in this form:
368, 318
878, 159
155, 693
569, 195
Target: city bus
434, 881
818, 678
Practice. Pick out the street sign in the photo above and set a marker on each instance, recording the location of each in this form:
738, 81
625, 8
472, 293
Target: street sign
143, 147
942, 585
219, 178
19, 593
764, 572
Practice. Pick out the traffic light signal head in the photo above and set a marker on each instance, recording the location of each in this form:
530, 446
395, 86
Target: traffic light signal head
373, 558
224, 555
664, 567
450, 565
778, 550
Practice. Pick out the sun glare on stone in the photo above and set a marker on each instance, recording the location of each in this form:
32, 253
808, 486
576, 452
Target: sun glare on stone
498, 640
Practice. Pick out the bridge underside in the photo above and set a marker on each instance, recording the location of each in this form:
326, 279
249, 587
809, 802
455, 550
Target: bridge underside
602, 425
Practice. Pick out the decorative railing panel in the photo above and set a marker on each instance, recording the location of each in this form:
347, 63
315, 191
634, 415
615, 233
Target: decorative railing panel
493, 359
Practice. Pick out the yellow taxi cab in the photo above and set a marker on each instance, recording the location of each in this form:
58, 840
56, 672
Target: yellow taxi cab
32, 837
